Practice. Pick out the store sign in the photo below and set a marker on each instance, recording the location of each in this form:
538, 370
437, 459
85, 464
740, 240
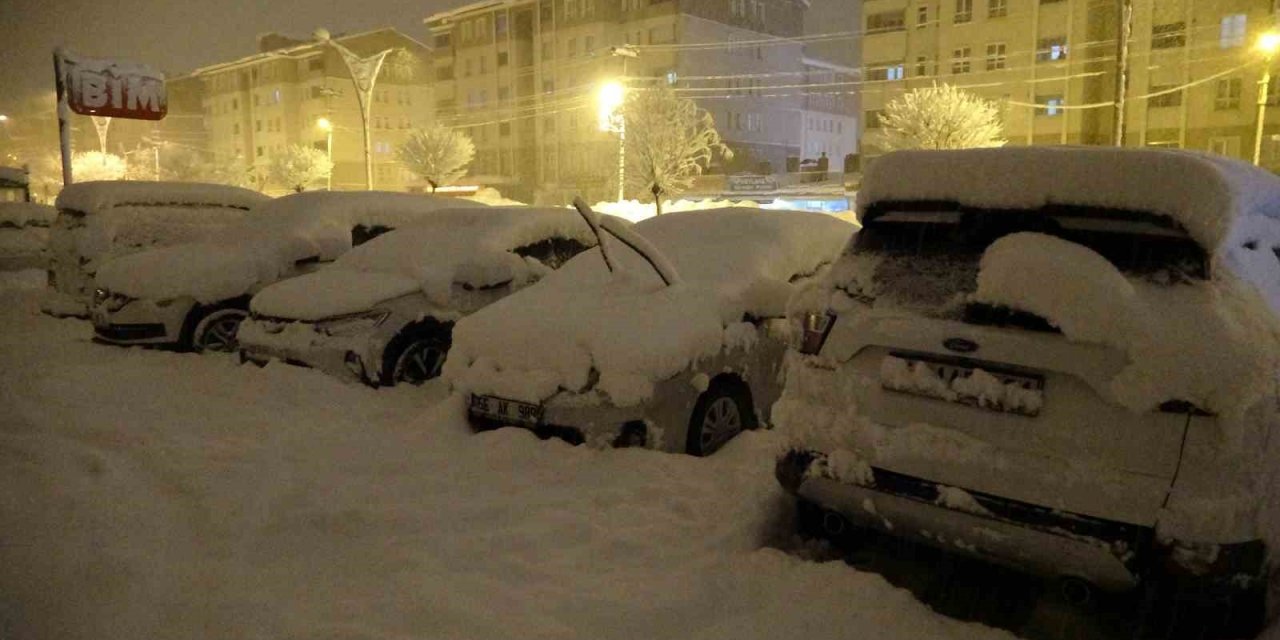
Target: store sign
112, 88
752, 183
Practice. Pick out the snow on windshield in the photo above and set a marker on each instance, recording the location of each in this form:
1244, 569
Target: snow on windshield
626, 325
1198, 342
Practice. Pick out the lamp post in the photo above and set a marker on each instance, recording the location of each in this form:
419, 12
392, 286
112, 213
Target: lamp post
610, 101
327, 126
364, 74
1268, 44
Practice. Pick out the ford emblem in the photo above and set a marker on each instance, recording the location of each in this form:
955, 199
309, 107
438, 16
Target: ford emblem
960, 345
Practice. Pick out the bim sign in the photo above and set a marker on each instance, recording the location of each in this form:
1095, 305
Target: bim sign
112, 88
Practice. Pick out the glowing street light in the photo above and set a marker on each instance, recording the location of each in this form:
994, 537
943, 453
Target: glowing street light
327, 127
609, 103
364, 75
1268, 44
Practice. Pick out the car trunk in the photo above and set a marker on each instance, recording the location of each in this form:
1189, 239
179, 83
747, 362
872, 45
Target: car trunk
992, 399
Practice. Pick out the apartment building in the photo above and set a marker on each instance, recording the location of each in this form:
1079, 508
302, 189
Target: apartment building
830, 114
522, 76
257, 106
1051, 67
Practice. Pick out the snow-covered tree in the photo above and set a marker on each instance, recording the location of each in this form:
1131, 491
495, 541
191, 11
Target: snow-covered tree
941, 117
669, 141
299, 166
437, 154
96, 165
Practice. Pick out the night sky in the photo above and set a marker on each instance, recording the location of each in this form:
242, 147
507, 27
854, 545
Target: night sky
174, 35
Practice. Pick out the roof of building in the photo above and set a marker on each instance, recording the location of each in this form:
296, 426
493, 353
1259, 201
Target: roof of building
302, 50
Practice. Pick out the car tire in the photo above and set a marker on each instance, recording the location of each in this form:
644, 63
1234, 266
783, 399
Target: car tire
414, 357
216, 329
722, 412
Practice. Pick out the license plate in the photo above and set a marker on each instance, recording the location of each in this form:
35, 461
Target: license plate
508, 411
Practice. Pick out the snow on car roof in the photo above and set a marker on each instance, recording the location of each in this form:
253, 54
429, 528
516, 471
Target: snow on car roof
454, 236
262, 246
98, 196
626, 325
1206, 194
452, 245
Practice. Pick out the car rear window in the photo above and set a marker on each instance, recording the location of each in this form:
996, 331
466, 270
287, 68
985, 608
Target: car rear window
925, 255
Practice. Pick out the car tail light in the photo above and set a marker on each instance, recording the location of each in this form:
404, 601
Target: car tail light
816, 327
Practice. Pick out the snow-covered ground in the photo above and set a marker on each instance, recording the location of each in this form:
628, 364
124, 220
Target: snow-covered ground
148, 494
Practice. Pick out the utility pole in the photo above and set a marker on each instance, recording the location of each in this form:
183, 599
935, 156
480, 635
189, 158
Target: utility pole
364, 74
624, 52
1124, 32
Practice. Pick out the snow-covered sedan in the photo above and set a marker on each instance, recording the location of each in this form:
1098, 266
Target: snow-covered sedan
1060, 359
194, 295
99, 221
383, 312
669, 339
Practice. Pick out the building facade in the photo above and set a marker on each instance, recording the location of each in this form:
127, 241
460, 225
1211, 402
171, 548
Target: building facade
256, 107
1051, 66
522, 77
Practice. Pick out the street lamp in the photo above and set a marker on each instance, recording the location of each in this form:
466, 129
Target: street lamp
1268, 44
609, 102
327, 128
364, 74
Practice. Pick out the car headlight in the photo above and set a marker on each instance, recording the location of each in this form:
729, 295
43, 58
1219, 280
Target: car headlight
110, 301
352, 324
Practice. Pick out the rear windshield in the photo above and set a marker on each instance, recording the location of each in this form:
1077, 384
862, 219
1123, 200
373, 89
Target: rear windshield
925, 255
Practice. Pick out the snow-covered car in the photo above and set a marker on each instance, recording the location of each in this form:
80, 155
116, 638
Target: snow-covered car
98, 221
1059, 359
383, 312
677, 347
24, 232
194, 295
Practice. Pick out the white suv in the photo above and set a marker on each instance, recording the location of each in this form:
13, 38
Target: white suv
1059, 359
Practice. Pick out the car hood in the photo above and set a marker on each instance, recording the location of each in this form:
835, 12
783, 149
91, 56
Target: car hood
207, 272
330, 292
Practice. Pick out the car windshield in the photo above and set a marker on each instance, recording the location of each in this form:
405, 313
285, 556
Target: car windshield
925, 256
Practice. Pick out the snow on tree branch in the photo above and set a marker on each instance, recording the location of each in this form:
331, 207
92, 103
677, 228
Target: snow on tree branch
299, 167
941, 117
437, 154
669, 142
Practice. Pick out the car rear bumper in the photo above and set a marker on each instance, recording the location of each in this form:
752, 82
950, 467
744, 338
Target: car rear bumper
1113, 556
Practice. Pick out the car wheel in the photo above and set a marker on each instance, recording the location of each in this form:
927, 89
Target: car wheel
721, 412
415, 359
217, 330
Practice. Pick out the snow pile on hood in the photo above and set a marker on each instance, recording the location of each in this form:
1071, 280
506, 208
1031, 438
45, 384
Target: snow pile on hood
627, 326
1206, 194
1211, 343
22, 214
471, 247
635, 211
99, 196
264, 247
